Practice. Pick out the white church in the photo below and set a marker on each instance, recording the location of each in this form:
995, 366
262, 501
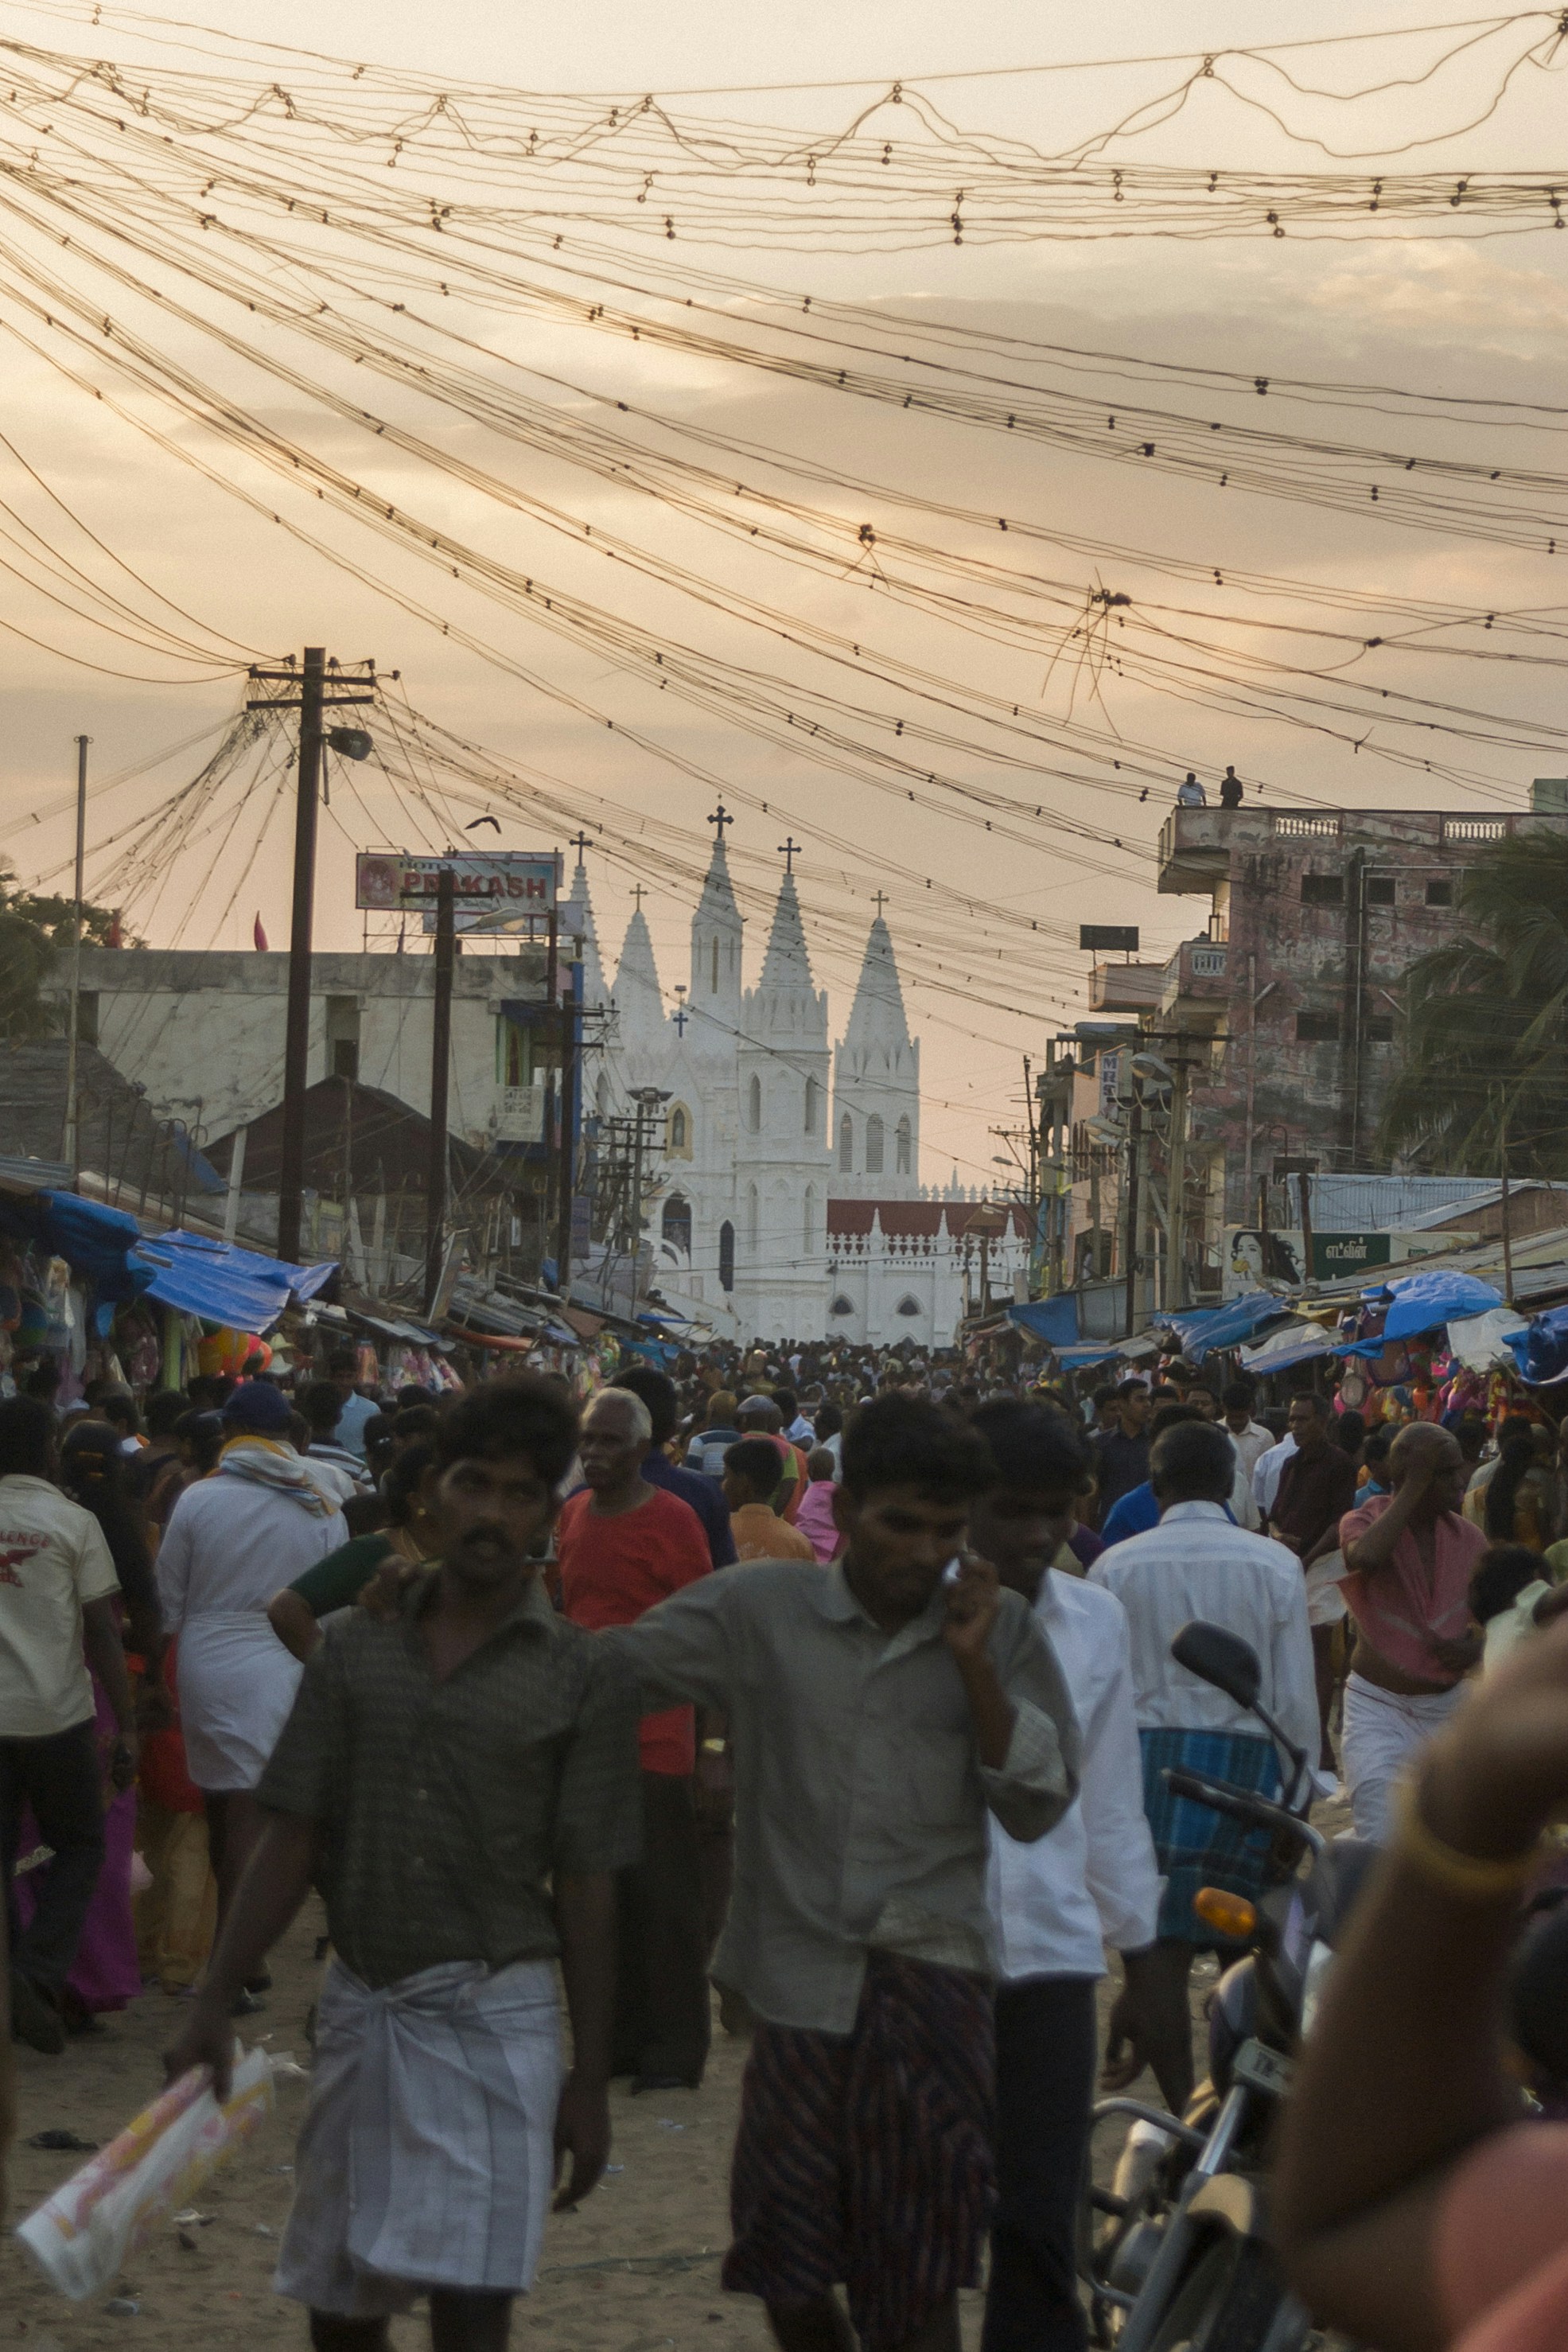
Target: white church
787, 1202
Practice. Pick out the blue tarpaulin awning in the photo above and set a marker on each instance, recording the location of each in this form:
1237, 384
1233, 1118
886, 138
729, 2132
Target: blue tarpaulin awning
221, 1282
1227, 1327
94, 1238
1541, 1349
1092, 1351
1054, 1320
1423, 1301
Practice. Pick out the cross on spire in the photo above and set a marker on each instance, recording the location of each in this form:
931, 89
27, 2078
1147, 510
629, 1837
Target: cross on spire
637, 894
721, 817
879, 900
681, 1017
788, 850
580, 841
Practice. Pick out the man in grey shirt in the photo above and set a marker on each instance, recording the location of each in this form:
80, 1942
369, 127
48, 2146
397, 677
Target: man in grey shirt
878, 1708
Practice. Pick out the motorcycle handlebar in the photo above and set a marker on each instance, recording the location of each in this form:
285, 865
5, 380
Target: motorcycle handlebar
1256, 1813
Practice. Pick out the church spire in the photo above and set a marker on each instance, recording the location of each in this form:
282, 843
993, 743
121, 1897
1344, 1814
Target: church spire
876, 1083
717, 929
638, 997
787, 964
594, 989
877, 1019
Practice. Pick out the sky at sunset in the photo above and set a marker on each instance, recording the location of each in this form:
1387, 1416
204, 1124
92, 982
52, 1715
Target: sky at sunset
1481, 318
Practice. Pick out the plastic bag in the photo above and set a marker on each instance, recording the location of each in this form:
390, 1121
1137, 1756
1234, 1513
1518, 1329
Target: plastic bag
95, 2221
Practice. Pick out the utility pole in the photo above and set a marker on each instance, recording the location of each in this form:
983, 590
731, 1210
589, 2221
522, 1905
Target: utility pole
440, 1078
1134, 1133
312, 701
567, 1196
1503, 1203
72, 1151
1175, 1188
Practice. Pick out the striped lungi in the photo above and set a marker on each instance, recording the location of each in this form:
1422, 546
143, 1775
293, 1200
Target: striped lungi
427, 2153
1195, 1847
865, 2159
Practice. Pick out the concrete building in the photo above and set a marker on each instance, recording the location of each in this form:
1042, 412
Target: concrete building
202, 1032
1272, 1027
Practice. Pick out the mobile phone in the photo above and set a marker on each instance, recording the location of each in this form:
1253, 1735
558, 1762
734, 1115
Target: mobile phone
953, 1570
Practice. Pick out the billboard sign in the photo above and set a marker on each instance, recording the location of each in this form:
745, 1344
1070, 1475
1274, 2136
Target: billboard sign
495, 890
1108, 938
1254, 1260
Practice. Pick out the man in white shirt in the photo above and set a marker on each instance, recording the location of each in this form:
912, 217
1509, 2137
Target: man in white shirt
57, 1589
1055, 1904
1267, 1471
1249, 1437
1194, 1564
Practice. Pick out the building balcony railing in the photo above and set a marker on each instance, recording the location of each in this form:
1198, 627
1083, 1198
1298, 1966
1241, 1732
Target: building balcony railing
1196, 975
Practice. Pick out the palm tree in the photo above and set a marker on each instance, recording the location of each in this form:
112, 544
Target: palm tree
1482, 1084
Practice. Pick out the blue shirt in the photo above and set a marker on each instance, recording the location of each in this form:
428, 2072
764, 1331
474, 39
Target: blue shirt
1135, 1514
350, 1431
706, 1497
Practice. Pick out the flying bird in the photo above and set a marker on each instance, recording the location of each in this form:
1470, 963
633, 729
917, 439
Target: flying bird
482, 819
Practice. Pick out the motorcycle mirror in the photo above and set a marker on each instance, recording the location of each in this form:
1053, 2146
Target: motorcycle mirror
1219, 1657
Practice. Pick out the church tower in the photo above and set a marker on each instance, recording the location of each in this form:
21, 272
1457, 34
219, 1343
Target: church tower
782, 1160
877, 1086
637, 998
714, 993
595, 990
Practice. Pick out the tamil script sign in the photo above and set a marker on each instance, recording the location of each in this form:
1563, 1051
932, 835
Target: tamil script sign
496, 890
1254, 1260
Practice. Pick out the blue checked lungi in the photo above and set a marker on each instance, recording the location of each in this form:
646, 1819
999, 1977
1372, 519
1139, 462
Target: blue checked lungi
1195, 1847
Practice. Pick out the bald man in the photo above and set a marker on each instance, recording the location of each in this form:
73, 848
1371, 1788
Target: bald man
1410, 1556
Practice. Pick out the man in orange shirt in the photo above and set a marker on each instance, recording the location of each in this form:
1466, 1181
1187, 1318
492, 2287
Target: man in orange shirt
623, 1545
751, 1471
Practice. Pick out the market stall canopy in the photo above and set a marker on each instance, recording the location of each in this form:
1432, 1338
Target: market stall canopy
94, 1240
1293, 1344
1422, 1301
1482, 1342
219, 1282
1213, 1328
1541, 1349
1054, 1320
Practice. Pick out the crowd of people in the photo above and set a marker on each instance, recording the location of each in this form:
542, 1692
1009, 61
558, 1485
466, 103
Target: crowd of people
827, 1692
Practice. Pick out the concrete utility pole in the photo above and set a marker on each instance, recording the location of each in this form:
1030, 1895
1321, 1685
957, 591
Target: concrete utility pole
1134, 1134
312, 701
567, 1194
72, 1151
1176, 1187
439, 1081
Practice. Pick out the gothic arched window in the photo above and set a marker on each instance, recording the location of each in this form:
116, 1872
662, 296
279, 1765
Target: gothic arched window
809, 1221
904, 1148
753, 1104
677, 1129
726, 1254
810, 1106
753, 1218
846, 1143
713, 981
873, 1146
842, 1306
908, 1305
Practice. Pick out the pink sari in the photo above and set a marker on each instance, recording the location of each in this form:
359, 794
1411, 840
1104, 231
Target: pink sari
107, 1973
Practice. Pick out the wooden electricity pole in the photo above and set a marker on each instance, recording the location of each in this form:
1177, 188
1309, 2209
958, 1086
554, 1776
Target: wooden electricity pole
440, 1080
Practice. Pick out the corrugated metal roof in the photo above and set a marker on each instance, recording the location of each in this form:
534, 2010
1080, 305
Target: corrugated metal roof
1387, 1204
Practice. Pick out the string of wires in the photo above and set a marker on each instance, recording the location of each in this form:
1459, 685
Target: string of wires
899, 173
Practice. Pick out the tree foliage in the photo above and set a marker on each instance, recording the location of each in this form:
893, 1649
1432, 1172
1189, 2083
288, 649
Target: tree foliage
34, 933
1483, 1069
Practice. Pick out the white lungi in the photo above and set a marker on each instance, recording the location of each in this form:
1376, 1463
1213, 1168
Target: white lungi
237, 1684
1381, 1731
427, 2154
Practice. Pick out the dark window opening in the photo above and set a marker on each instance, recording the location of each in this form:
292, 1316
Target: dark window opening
1439, 893
1380, 890
842, 1306
1322, 890
908, 1305
726, 1254
1316, 1028
87, 1016
1379, 1031
676, 1222
345, 1057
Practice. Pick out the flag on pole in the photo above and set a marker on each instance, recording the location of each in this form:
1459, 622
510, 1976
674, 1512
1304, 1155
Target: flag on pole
259, 935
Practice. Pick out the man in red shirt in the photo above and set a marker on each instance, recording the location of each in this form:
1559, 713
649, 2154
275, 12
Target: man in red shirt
622, 1545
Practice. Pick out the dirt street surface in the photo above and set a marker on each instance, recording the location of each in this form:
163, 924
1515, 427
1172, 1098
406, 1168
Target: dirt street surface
636, 2270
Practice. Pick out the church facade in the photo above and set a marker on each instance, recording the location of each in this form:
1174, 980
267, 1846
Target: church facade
784, 1201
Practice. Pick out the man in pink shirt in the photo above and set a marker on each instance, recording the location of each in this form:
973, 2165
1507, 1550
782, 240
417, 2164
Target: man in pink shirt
1410, 1557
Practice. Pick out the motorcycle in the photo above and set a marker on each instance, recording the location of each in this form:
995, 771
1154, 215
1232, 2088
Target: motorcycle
1178, 2257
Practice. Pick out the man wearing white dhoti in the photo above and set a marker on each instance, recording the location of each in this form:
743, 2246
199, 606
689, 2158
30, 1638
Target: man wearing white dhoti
232, 1539
459, 1776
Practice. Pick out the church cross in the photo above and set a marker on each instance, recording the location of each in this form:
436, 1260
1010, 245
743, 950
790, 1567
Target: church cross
721, 817
878, 900
580, 841
682, 1017
637, 894
788, 850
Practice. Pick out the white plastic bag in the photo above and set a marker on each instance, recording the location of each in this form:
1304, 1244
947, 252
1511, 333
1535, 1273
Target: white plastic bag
105, 2213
